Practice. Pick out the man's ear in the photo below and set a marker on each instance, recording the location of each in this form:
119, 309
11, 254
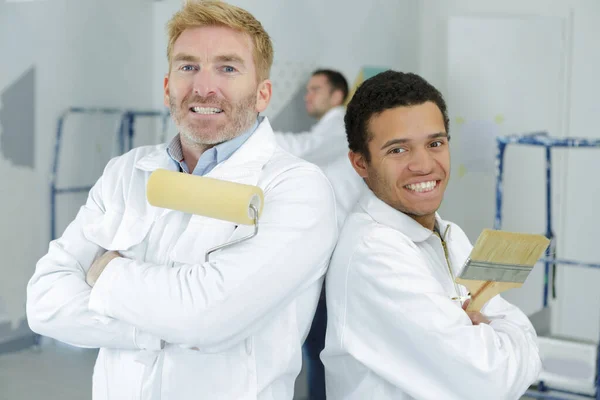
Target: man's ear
263, 95
166, 96
359, 163
337, 97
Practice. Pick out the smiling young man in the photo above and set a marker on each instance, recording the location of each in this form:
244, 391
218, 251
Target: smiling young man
131, 279
397, 328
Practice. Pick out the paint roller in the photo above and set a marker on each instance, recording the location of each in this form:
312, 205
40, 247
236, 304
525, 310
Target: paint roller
209, 197
499, 261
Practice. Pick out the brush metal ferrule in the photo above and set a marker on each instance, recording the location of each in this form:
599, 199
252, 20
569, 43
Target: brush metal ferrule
496, 272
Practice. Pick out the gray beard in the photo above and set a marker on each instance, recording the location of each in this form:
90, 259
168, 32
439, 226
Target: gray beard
241, 122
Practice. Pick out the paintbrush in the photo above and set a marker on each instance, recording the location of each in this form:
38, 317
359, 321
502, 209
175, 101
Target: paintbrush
498, 262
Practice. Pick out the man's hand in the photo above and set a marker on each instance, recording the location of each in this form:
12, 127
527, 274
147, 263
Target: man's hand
98, 266
475, 316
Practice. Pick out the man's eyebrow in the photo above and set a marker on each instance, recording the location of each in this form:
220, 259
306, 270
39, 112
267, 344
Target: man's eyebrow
230, 58
184, 57
403, 141
394, 141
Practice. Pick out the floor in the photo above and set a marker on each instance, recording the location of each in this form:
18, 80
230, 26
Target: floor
58, 372
52, 374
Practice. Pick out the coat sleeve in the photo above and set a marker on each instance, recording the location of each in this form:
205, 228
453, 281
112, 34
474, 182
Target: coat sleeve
401, 324
299, 144
58, 296
215, 304
324, 137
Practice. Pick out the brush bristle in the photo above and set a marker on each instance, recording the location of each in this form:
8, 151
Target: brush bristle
509, 248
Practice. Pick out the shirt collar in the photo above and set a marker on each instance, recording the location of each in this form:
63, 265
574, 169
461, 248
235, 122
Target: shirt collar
385, 214
216, 154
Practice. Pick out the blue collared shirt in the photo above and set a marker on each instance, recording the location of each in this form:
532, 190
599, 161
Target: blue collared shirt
211, 157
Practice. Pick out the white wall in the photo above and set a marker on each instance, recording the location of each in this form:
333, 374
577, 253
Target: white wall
577, 309
85, 53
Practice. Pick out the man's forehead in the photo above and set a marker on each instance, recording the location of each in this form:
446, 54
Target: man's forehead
213, 38
316, 82
384, 125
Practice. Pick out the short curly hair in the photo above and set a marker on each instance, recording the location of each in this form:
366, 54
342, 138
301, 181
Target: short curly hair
386, 90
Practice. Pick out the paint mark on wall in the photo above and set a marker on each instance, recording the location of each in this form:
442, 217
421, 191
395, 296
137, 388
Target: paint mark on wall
17, 120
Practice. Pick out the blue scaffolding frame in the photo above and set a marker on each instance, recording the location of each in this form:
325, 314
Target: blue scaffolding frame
125, 136
542, 139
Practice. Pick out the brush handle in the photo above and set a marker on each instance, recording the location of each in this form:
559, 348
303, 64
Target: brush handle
483, 291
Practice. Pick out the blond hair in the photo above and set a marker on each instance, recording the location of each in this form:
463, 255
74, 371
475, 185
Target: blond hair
196, 14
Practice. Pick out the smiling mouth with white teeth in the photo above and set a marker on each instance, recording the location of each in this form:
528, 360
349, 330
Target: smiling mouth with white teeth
206, 110
422, 187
